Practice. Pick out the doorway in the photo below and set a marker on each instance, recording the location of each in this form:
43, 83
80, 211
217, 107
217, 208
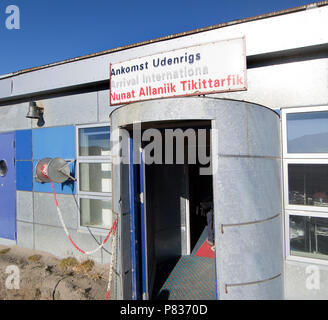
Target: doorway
7, 187
176, 260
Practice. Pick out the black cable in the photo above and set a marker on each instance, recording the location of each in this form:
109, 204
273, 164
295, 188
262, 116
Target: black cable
93, 236
55, 288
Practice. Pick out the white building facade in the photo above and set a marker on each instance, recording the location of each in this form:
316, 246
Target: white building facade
287, 76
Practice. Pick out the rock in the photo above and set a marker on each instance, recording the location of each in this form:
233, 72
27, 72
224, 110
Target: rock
49, 269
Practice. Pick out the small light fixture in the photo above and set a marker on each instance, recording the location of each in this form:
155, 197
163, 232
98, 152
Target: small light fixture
34, 111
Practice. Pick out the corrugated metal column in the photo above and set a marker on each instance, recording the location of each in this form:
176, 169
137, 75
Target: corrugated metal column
247, 193
246, 189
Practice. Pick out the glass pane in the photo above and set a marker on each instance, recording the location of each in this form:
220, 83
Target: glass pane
307, 132
96, 213
309, 237
94, 141
308, 184
95, 177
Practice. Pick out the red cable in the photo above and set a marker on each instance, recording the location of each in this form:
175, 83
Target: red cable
107, 295
113, 229
69, 237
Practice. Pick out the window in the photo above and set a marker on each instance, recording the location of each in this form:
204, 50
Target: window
307, 132
308, 184
308, 236
95, 212
94, 177
94, 142
305, 157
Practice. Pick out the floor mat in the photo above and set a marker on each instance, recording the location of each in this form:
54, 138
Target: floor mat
205, 251
193, 278
200, 241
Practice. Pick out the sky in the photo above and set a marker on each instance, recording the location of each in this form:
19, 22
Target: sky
52, 31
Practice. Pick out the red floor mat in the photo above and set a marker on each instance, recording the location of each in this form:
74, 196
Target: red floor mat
205, 251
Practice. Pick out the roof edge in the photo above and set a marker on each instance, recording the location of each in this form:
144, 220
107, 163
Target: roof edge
173, 36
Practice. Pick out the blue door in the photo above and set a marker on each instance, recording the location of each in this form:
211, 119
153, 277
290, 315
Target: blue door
148, 258
7, 187
143, 219
141, 236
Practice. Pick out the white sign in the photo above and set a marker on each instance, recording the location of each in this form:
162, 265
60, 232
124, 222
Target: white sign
203, 69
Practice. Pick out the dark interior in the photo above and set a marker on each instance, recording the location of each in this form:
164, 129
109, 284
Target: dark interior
169, 187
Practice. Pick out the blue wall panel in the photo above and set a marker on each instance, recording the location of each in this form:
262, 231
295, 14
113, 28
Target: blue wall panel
24, 145
24, 175
54, 142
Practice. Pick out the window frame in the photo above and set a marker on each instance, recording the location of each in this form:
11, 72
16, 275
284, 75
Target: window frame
87, 126
300, 258
286, 185
284, 113
100, 194
299, 158
96, 231
89, 194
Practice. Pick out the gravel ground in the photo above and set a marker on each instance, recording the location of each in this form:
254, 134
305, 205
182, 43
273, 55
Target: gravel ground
44, 277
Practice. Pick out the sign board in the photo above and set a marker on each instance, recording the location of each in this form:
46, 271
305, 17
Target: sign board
198, 70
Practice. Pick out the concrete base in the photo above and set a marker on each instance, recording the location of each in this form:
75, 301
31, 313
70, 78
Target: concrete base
6, 242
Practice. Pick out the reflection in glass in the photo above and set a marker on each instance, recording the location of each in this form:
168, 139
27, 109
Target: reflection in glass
307, 132
308, 184
95, 177
308, 236
94, 141
96, 213
3, 168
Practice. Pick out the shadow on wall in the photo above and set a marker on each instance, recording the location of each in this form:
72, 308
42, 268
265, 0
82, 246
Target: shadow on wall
70, 184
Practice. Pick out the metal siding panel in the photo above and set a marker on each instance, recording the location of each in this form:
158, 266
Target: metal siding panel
294, 84
24, 145
45, 210
65, 110
54, 240
24, 177
25, 235
13, 117
5, 87
24, 203
54, 142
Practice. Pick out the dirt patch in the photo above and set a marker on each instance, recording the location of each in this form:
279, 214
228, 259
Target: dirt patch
44, 277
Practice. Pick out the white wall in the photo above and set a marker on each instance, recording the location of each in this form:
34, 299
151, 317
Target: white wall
295, 84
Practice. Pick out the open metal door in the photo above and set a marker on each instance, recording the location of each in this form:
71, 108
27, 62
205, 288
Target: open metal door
7, 187
134, 223
143, 221
148, 258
